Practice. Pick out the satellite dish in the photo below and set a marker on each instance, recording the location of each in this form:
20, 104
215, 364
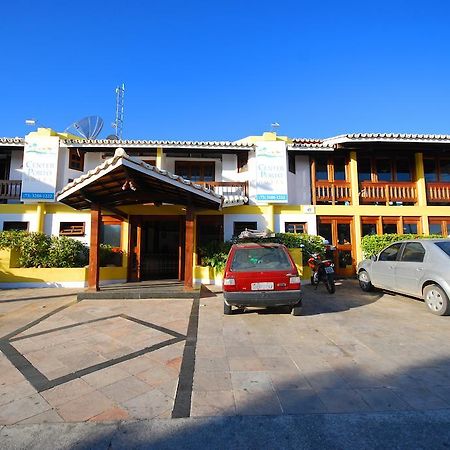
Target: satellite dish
112, 137
88, 127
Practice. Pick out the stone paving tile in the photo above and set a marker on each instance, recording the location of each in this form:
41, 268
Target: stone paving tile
342, 400
85, 407
22, 408
288, 380
136, 365
257, 403
10, 392
157, 375
50, 416
269, 350
251, 381
111, 415
105, 377
212, 381
213, 403
300, 401
245, 364
240, 352
383, 399
125, 389
278, 363
67, 392
212, 364
148, 405
423, 399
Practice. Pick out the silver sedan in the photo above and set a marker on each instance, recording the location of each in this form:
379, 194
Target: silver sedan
419, 268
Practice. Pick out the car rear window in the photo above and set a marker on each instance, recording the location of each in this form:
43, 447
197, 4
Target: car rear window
445, 246
260, 258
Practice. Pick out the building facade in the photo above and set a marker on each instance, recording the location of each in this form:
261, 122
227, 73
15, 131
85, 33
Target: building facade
340, 188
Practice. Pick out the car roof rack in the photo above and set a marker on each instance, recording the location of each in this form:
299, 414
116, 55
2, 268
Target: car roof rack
255, 234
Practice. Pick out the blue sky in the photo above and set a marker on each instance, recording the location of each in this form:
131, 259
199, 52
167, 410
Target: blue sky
214, 70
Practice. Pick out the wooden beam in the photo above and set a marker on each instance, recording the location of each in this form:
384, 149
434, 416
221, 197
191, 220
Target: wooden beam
189, 248
94, 248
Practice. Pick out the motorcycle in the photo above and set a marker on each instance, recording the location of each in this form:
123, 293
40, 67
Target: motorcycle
323, 270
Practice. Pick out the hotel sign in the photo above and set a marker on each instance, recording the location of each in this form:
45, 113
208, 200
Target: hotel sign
271, 167
40, 166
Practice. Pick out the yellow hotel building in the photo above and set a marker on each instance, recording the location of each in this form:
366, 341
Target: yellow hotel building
341, 188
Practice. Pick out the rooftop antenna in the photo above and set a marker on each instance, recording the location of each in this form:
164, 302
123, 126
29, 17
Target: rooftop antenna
118, 123
274, 126
87, 127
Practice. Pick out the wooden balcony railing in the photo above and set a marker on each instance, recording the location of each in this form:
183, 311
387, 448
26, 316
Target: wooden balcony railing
231, 190
387, 192
10, 189
332, 192
438, 192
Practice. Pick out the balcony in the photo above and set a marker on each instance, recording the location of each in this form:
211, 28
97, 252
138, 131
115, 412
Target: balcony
332, 192
234, 192
438, 192
10, 189
388, 192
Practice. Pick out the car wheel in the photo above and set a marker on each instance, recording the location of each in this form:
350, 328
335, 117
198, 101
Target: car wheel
364, 281
227, 309
297, 309
436, 300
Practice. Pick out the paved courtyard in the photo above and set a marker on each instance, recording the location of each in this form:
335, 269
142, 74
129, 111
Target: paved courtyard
108, 360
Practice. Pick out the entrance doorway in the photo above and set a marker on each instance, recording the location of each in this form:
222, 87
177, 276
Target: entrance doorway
155, 248
338, 231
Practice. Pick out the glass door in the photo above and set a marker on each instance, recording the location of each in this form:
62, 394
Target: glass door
338, 231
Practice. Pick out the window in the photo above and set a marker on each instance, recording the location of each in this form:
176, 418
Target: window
291, 162
344, 233
384, 172
369, 229
16, 226
389, 228
71, 229
437, 169
403, 172
339, 168
322, 168
239, 227
330, 168
410, 228
390, 254
110, 233
325, 231
76, 159
384, 169
444, 246
295, 227
364, 169
242, 162
440, 225
195, 170
413, 252
260, 258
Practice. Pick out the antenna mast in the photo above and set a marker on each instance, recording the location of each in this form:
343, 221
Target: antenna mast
118, 123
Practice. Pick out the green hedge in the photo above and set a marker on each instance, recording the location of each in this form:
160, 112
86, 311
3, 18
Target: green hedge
373, 244
215, 254
39, 250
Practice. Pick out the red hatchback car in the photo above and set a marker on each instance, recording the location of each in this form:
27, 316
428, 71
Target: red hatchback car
258, 274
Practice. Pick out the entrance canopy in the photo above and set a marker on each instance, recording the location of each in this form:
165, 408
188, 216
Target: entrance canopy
124, 180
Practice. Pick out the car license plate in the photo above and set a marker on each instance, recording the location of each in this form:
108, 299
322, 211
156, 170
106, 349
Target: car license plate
268, 286
329, 270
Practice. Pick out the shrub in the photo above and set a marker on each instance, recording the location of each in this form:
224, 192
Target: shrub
39, 250
373, 244
215, 255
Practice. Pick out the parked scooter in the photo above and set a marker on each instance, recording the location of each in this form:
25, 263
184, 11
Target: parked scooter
323, 270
